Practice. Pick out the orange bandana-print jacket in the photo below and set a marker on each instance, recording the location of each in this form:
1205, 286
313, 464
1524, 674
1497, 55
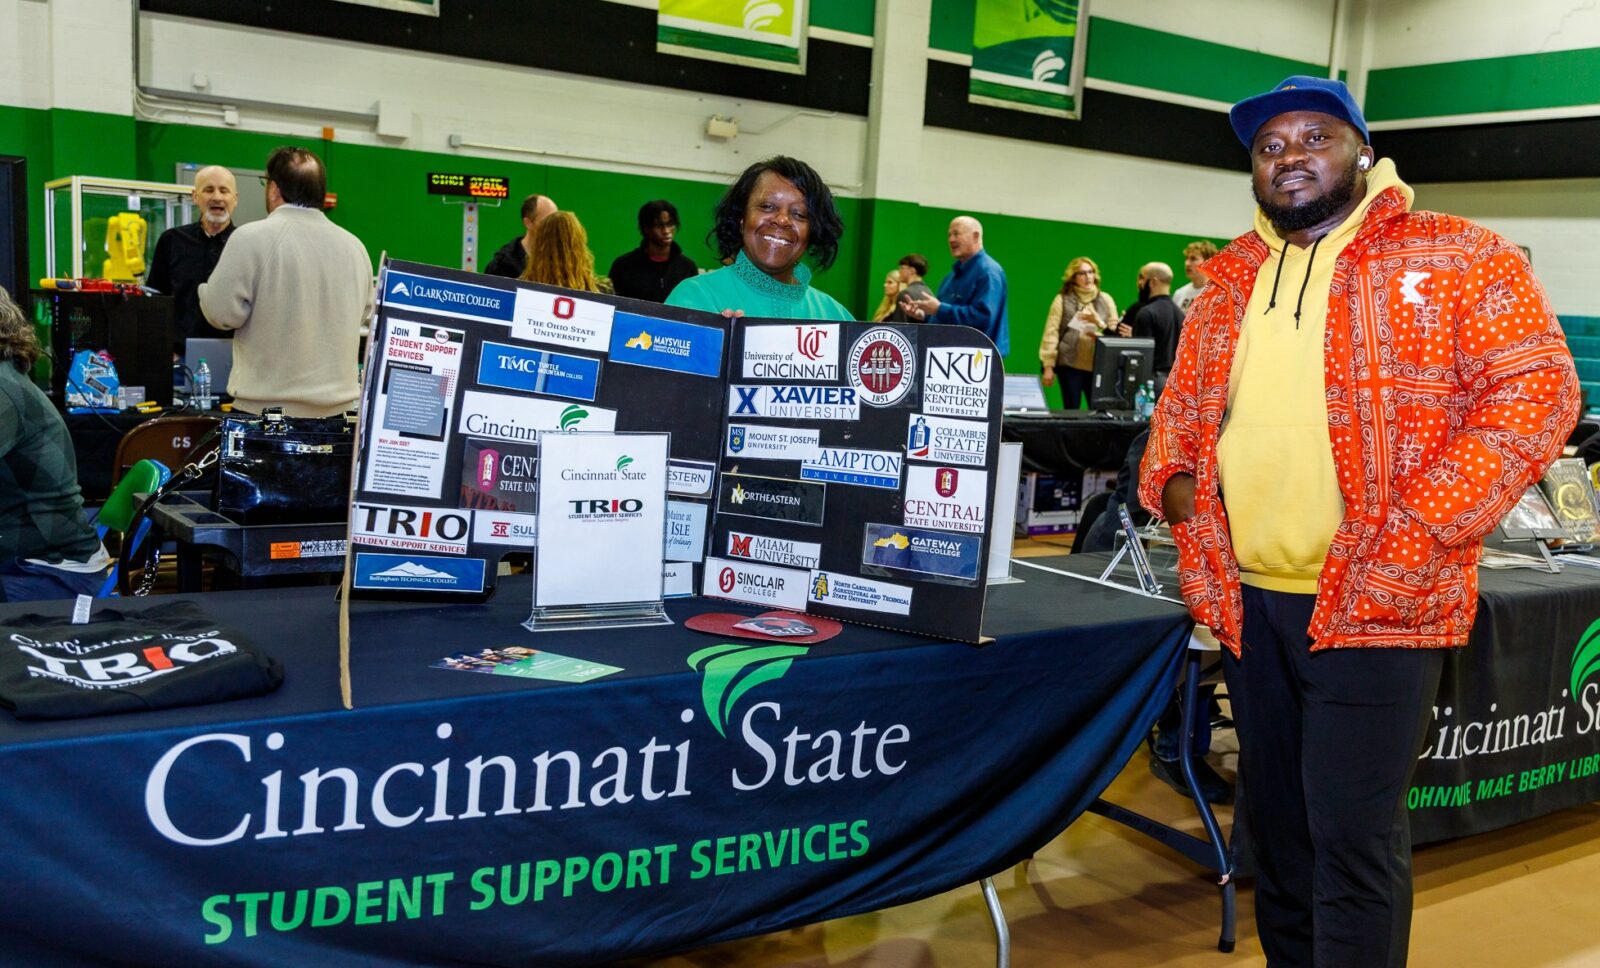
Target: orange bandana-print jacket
1450, 388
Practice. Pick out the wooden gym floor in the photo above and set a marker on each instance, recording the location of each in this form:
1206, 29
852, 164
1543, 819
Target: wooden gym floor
1103, 896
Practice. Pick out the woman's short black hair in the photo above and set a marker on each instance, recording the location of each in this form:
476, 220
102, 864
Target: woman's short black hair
727, 231
650, 214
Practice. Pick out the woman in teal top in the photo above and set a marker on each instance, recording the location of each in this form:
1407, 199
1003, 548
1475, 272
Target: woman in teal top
778, 211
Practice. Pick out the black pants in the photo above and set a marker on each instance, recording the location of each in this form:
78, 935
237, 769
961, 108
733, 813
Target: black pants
1075, 385
1327, 746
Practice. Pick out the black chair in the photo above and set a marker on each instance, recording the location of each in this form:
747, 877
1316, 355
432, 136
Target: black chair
1092, 509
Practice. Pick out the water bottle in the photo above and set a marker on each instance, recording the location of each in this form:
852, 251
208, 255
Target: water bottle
1141, 401
201, 395
1149, 399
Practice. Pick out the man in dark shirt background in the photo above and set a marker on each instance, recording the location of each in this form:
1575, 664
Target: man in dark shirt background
1158, 318
510, 259
658, 264
186, 254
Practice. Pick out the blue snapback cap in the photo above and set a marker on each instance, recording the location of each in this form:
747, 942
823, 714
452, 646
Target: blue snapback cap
1298, 93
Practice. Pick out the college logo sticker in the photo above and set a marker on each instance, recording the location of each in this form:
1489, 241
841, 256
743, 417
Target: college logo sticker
505, 528
773, 498
458, 299
869, 468
538, 371
665, 344
690, 478
419, 573
954, 499
794, 402
499, 475
947, 441
848, 591
772, 443
956, 382
776, 551
743, 581
802, 351
937, 553
883, 367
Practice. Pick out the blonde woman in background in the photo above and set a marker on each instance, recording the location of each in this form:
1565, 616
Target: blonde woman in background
560, 255
904, 279
1078, 315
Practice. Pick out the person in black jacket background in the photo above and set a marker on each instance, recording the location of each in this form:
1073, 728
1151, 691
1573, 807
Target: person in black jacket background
658, 264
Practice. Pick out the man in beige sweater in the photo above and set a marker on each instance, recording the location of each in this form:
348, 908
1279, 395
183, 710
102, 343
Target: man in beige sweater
297, 288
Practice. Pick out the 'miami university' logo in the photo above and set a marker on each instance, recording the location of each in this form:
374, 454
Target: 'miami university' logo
730, 671
1586, 658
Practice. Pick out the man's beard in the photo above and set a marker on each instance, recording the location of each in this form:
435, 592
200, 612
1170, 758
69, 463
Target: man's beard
1144, 293
1311, 212
215, 220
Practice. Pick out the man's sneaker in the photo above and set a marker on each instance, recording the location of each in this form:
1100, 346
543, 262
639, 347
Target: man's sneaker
1212, 786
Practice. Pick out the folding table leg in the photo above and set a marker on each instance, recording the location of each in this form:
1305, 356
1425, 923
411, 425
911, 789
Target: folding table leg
1002, 933
1224, 860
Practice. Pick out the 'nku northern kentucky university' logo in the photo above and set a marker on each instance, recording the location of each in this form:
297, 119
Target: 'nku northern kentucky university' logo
729, 671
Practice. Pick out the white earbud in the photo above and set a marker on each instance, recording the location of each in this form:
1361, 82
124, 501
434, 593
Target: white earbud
1364, 163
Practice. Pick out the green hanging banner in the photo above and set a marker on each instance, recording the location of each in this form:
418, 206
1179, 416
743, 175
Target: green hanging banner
755, 33
1028, 55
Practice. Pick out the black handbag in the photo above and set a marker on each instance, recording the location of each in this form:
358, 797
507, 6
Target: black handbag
274, 469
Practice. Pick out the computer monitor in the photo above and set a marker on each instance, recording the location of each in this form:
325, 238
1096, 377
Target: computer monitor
135, 330
1121, 367
1023, 394
218, 354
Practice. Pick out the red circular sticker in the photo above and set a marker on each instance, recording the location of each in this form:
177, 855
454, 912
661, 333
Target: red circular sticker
725, 580
882, 365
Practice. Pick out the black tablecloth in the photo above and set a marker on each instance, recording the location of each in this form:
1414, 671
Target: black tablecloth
1067, 443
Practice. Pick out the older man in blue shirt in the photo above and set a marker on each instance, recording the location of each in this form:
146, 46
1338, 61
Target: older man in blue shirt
974, 293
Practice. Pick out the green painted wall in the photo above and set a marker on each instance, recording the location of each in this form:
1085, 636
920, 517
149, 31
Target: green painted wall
851, 16
1524, 82
381, 200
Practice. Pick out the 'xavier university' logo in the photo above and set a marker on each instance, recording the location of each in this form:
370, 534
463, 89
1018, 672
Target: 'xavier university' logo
729, 671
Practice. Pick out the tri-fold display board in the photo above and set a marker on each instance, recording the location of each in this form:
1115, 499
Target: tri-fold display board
841, 469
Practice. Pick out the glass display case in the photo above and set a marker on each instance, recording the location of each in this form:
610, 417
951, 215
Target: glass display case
106, 228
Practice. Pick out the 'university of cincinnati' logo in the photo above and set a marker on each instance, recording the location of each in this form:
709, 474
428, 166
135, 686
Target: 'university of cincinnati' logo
808, 340
729, 671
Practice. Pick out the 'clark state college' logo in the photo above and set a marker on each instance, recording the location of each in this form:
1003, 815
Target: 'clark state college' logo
882, 367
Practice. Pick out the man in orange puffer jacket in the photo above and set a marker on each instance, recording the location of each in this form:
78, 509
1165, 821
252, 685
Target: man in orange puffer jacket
1361, 392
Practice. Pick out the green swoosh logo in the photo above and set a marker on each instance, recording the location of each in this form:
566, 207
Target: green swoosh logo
1586, 657
572, 416
730, 671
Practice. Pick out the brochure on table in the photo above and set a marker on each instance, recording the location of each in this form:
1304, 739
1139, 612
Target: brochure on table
858, 461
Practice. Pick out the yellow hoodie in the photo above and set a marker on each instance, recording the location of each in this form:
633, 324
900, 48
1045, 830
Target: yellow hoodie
1274, 458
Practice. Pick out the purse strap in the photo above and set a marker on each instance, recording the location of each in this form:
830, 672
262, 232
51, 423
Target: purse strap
148, 554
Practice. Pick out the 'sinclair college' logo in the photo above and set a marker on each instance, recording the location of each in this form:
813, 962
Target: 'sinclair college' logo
882, 367
729, 671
